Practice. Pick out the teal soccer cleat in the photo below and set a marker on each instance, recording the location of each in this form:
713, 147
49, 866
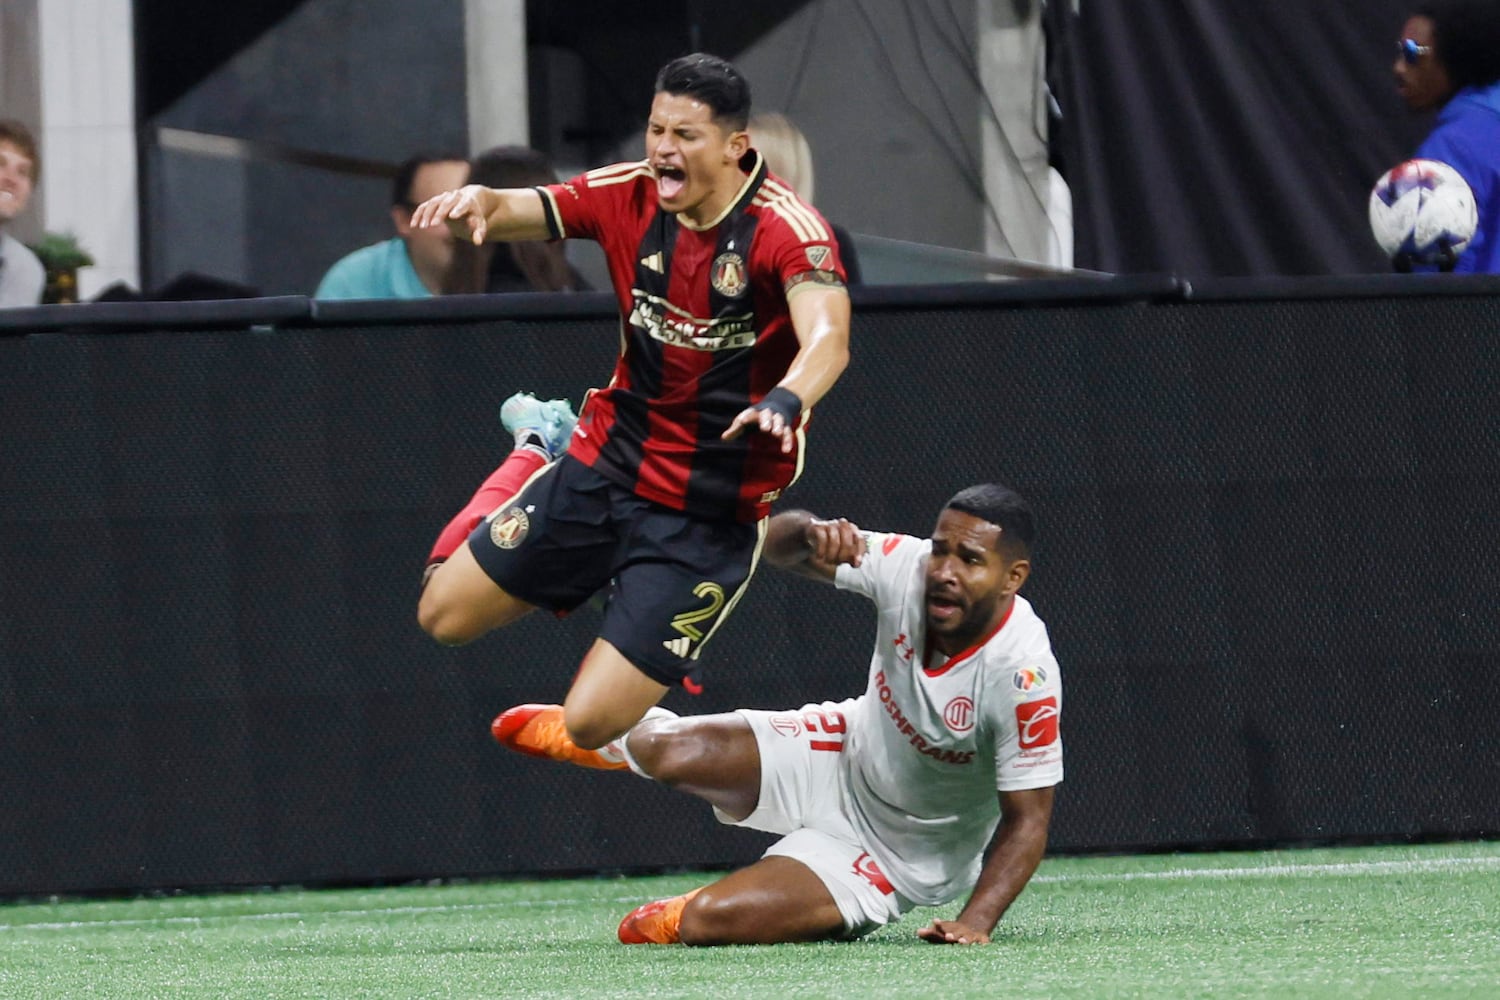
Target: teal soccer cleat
543, 425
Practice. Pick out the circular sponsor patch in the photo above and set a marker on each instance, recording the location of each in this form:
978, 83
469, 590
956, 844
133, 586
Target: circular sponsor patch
728, 275
509, 529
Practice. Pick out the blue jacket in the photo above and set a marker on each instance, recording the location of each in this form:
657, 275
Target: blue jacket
1467, 138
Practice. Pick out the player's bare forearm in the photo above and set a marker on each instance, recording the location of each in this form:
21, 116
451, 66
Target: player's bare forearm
1019, 846
518, 215
821, 318
477, 213
799, 542
1017, 853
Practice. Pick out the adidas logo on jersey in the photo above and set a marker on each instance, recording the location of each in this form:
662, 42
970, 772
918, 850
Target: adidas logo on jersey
655, 262
679, 646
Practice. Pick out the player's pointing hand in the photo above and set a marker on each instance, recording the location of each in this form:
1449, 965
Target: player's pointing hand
465, 211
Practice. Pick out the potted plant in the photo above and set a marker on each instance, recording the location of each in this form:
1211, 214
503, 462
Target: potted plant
61, 255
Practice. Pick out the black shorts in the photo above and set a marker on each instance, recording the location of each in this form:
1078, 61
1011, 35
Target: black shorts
570, 532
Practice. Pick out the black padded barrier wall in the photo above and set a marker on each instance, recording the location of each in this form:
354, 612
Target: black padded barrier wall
1268, 562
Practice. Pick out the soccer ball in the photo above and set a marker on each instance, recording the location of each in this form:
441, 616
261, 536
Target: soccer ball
1422, 212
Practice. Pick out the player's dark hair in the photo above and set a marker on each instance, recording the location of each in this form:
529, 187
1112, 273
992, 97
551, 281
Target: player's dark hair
1002, 507
1466, 34
18, 135
713, 81
407, 172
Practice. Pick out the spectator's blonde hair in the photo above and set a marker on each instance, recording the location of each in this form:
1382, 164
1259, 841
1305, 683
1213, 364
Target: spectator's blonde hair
785, 149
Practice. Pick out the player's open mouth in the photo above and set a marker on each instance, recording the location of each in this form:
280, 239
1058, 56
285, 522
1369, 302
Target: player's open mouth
941, 608
670, 181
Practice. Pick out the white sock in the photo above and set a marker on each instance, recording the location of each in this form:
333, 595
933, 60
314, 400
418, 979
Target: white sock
619, 749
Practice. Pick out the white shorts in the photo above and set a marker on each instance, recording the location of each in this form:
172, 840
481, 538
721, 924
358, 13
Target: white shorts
802, 796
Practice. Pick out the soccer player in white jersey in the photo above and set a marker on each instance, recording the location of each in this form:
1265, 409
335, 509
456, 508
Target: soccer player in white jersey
886, 801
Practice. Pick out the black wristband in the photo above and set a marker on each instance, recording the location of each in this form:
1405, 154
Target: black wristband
783, 401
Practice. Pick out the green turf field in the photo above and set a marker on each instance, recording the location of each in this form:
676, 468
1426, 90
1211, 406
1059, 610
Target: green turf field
1419, 921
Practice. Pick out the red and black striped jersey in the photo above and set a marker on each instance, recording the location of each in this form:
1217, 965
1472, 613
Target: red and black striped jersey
705, 332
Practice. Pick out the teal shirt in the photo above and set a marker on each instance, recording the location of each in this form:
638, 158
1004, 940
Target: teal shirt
381, 271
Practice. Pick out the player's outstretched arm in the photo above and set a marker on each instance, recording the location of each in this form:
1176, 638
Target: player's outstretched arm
801, 543
1019, 845
477, 213
820, 316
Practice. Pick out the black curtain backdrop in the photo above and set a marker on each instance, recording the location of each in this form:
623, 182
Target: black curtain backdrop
1217, 137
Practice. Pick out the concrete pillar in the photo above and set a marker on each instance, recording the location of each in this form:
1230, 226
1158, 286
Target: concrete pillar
1030, 199
495, 46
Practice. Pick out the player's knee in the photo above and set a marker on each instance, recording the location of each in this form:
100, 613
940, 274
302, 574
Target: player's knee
709, 918
590, 731
442, 621
663, 749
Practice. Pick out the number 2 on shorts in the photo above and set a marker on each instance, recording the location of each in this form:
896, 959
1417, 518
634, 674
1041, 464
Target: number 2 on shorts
687, 621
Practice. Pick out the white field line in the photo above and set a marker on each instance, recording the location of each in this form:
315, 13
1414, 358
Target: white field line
1352, 868
1412, 867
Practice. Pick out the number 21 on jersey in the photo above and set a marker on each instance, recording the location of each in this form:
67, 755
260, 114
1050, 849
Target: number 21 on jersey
825, 730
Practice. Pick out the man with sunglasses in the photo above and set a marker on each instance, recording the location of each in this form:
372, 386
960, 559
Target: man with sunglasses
1448, 60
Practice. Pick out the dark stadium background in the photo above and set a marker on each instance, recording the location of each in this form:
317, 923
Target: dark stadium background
1266, 559
1264, 469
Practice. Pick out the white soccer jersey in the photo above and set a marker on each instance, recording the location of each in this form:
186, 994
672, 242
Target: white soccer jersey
929, 745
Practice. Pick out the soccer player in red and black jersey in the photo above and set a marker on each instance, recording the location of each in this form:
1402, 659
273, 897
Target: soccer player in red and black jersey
734, 323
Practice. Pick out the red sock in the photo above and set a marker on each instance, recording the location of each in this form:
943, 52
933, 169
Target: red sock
502, 484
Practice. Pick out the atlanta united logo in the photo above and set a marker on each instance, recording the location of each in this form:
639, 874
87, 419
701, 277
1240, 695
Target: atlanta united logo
509, 529
728, 275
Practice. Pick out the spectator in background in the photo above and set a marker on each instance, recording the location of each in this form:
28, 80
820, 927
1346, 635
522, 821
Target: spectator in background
1448, 60
524, 265
413, 264
22, 277
790, 158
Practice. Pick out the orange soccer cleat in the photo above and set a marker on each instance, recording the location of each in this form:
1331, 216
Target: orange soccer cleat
656, 923
538, 731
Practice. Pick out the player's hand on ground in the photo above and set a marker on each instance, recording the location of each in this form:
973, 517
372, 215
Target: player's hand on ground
834, 542
766, 421
951, 932
465, 211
